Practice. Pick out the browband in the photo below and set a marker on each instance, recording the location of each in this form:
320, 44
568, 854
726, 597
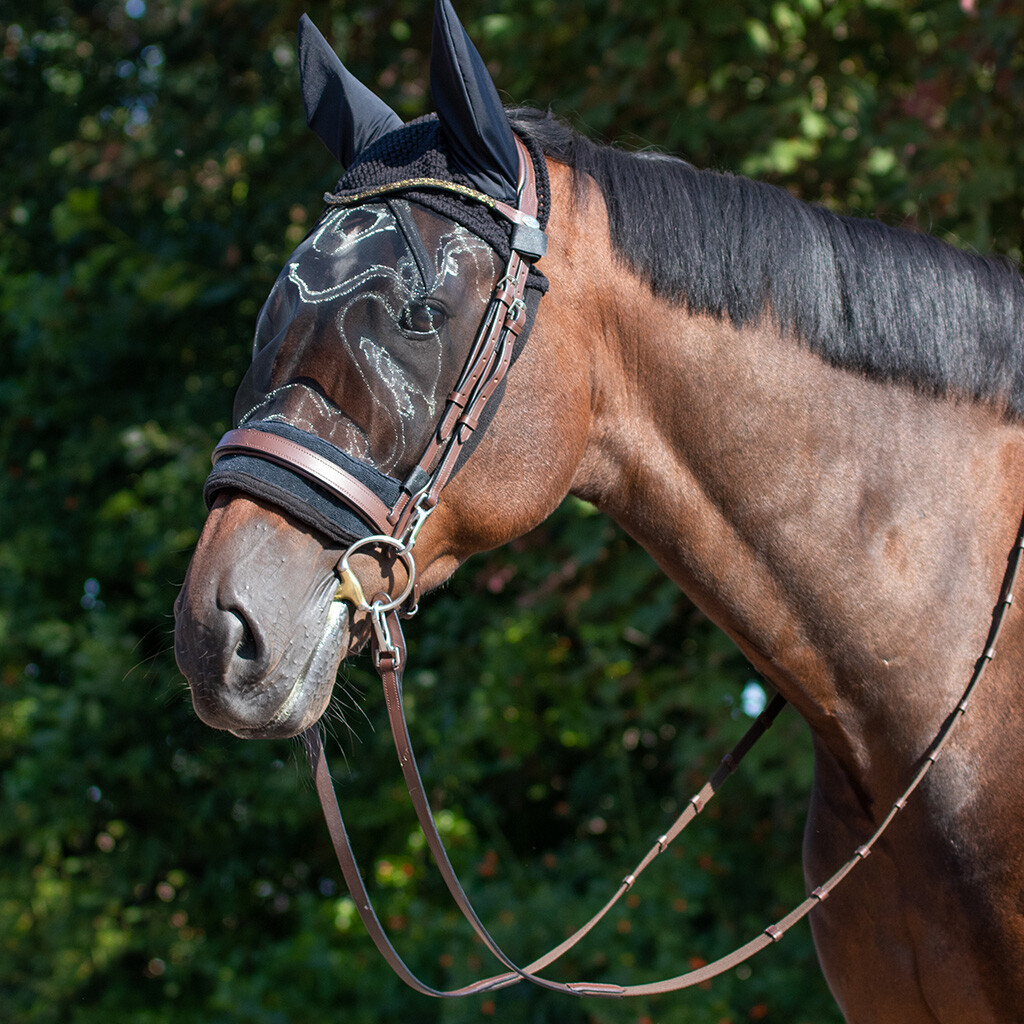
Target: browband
528, 239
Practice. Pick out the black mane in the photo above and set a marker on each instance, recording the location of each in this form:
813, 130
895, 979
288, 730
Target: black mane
888, 302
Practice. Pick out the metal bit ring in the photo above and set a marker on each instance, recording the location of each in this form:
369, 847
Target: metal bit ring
350, 589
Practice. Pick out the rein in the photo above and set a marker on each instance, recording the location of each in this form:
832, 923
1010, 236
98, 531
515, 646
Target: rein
389, 658
396, 525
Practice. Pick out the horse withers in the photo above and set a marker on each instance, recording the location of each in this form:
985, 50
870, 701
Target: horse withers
812, 423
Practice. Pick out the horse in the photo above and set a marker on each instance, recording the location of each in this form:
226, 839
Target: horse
813, 423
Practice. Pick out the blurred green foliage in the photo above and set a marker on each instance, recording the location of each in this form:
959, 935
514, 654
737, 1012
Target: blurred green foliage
156, 171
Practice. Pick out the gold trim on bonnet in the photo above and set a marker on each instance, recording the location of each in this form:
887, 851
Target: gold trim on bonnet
412, 183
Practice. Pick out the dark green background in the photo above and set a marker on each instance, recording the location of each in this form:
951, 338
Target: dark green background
156, 170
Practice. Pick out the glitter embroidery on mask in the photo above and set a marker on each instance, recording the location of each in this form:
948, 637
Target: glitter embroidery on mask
394, 378
330, 283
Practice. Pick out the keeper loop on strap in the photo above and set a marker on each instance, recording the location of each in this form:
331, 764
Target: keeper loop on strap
594, 988
416, 481
529, 240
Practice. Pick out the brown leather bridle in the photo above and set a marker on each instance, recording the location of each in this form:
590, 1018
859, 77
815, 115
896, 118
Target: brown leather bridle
485, 368
398, 526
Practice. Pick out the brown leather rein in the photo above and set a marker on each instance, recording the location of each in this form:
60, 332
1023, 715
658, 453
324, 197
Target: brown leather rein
398, 527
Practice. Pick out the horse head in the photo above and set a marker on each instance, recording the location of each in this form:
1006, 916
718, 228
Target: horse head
371, 383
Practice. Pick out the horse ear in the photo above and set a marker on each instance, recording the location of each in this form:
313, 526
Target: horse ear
339, 108
471, 115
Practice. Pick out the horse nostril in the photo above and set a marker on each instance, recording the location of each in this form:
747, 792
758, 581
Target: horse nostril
246, 646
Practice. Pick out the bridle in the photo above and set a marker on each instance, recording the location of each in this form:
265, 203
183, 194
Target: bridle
396, 522
395, 525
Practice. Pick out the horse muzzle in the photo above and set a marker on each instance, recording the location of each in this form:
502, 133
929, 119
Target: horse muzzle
258, 633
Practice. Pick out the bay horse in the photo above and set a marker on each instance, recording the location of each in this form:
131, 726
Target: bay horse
811, 422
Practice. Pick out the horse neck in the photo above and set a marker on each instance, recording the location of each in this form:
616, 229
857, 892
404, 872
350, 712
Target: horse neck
831, 524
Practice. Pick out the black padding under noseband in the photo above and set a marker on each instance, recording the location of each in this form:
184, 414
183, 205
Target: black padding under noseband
298, 495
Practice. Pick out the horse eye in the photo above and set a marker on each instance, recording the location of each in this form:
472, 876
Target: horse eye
421, 317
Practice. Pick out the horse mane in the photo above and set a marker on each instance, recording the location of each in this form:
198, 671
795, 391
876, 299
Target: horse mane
888, 302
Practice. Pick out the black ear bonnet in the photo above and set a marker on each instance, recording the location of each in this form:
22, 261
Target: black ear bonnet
421, 150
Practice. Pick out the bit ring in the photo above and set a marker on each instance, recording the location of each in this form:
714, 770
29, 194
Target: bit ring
350, 589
